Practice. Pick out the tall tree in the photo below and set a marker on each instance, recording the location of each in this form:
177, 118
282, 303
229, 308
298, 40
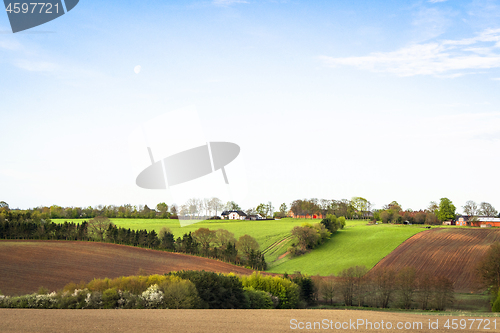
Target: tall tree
361, 205
163, 209
283, 209
446, 210
262, 209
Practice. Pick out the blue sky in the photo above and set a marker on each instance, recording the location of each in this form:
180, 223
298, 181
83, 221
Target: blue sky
393, 100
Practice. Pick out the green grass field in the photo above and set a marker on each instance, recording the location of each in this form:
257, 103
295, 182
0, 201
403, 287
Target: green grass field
357, 244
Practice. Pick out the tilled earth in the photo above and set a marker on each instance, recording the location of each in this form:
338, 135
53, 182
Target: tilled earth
95, 321
27, 265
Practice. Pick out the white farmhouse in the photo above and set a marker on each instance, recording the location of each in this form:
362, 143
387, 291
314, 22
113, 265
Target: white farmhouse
233, 215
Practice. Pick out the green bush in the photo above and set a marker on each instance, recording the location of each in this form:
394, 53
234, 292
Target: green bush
287, 292
216, 291
110, 298
180, 294
258, 299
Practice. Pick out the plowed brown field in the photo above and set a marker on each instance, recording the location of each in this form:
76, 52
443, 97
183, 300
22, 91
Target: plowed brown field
235, 321
27, 265
453, 253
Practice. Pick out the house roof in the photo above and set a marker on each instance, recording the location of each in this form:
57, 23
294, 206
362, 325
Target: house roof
239, 212
481, 218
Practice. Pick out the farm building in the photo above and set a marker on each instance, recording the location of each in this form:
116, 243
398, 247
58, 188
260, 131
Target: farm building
233, 215
305, 216
254, 217
478, 221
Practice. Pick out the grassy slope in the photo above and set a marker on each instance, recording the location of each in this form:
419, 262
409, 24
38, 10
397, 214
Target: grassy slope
358, 244
266, 233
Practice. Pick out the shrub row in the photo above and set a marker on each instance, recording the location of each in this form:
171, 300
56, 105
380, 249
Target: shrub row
176, 290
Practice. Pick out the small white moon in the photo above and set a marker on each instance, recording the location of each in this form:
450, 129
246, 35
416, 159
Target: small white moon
137, 69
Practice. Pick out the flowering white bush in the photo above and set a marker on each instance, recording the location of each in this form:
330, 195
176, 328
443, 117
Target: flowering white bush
93, 300
77, 292
153, 296
4, 301
40, 301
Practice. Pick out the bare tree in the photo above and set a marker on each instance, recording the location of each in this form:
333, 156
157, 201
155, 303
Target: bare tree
192, 207
487, 209
327, 288
471, 209
424, 290
207, 207
407, 284
174, 209
270, 209
251, 211
385, 285
216, 205
433, 207
184, 210
349, 283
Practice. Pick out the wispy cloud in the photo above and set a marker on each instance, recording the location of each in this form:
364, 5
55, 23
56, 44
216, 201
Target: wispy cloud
448, 58
36, 66
430, 23
436, 1
9, 44
227, 2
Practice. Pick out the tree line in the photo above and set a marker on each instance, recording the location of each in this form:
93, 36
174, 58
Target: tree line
386, 287
434, 214
357, 207
218, 244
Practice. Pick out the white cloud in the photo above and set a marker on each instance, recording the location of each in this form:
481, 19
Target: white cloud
9, 44
430, 23
227, 2
436, 1
448, 58
36, 66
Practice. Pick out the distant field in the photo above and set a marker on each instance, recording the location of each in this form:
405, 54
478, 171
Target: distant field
357, 244
453, 253
27, 265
